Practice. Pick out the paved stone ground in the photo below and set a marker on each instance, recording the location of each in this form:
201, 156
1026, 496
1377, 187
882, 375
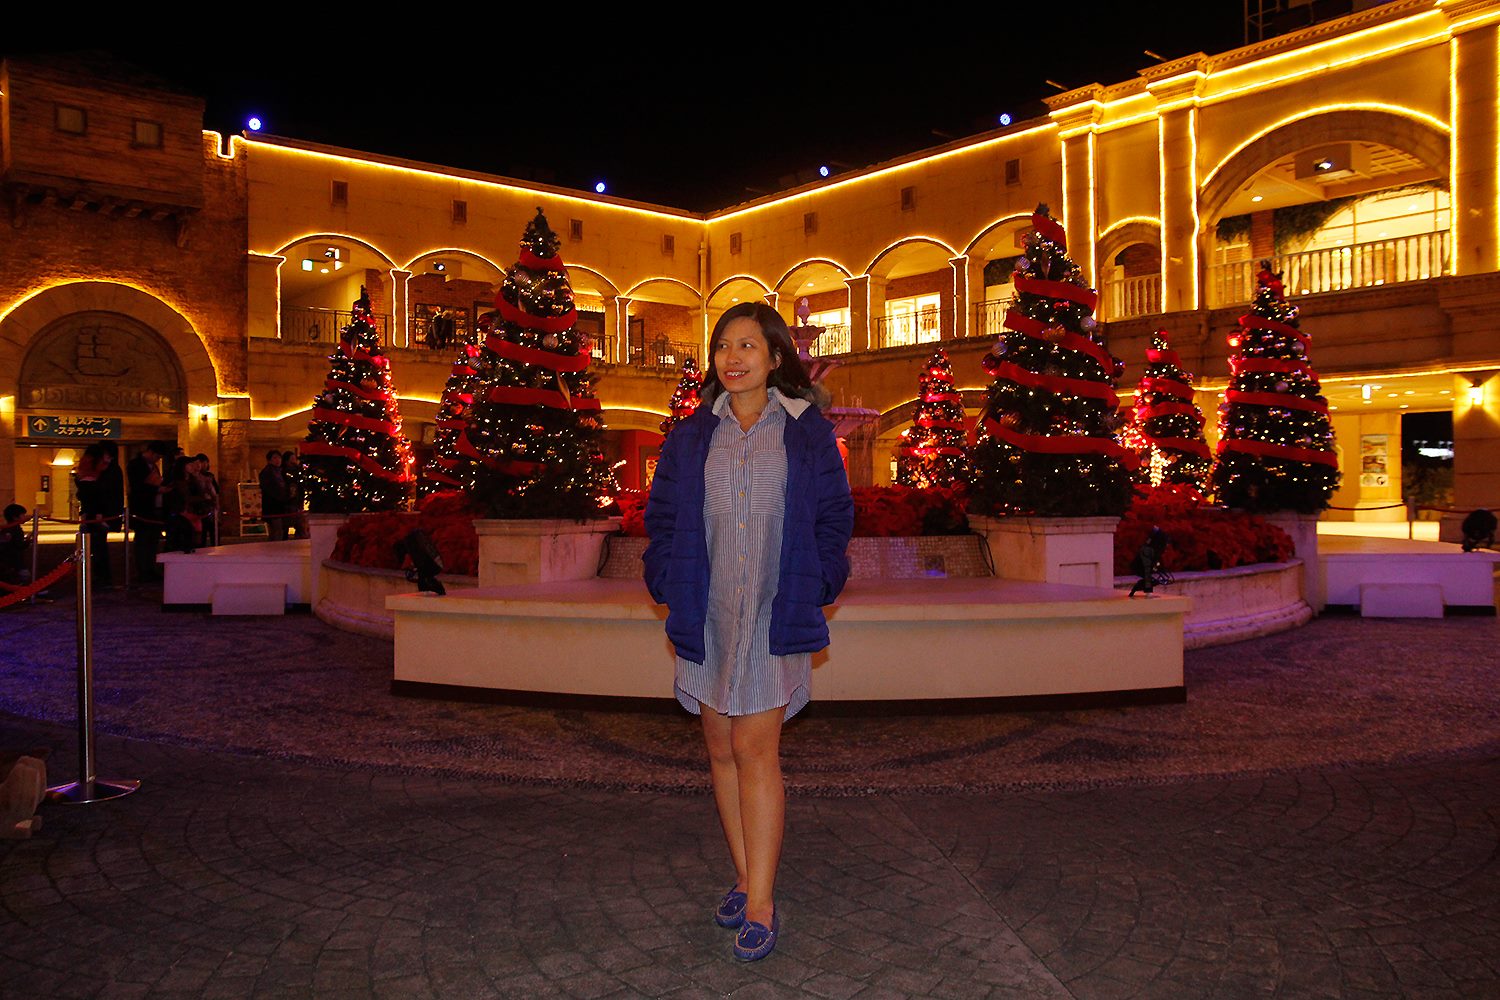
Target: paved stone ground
1365, 870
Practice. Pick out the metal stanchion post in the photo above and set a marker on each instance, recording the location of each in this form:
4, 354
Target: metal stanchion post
88, 787
36, 546
125, 540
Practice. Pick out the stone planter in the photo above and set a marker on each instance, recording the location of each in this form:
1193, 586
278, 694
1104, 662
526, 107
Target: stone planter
353, 597
1073, 550
893, 558
540, 551
323, 532
1304, 531
1234, 604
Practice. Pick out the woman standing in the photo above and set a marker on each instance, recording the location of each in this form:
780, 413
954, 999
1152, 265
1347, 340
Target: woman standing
749, 519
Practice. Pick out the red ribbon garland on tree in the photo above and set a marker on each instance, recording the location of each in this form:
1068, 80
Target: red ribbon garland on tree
546, 324
926, 449
373, 395
1267, 449
536, 356
1050, 228
451, 425
949, 425
1239, 363
1071, 341
442, 477
507, 466
360, 459
1069, 444
532, 262
1057, 290
1180, 444
349, 350
341, 419
1167, 386
1150, 411
541, 397
1276, 399
1055, 383
1255, 322
1166, 356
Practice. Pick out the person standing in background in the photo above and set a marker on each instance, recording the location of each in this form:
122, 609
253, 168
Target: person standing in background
275, 500
208, 485
101, 497
143, 473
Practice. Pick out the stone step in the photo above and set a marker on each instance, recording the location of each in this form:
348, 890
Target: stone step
1401, 600
249, 599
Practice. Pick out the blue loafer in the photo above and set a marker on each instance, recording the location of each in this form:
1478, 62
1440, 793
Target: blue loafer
731, 911
755, 940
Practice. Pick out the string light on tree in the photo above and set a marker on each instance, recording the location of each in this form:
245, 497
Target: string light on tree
452, 420
1166, 427
355, 457
931, 452
533, 441
686, 397
1047, 441
1276, 442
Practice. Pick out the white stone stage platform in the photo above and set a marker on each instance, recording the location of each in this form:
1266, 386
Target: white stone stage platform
1405, 578
255, 578
892, 641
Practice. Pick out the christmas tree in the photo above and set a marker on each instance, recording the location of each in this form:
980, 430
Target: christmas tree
1047, 444
1166, 429
685, 397
932, 451
355, 457
1275, 440
534, 429
452, 419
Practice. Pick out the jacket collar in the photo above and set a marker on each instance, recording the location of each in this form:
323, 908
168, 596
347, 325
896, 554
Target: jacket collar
793, 405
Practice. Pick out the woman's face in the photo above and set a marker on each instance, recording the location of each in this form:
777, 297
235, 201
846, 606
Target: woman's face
742, 358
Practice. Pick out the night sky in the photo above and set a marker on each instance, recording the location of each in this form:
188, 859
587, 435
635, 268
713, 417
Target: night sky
659, 111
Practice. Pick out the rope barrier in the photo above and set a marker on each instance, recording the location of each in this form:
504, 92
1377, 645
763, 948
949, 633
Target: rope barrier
23, 593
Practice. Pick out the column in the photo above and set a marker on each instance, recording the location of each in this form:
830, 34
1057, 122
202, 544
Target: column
613, 325
263, 295
8, 451
1475, 180
973, 295
400, 311
861, 307
956, 312
1176, 87
1077, 114
1476, 448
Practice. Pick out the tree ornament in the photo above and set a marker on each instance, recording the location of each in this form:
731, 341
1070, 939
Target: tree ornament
549, 341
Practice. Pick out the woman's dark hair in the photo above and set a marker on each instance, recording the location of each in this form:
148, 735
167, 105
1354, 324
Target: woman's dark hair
179, 469
789, 376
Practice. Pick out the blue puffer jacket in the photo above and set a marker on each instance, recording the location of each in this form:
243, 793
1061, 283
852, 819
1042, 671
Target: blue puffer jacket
815, 534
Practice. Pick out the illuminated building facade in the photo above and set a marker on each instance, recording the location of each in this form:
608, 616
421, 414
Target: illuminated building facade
1359, 154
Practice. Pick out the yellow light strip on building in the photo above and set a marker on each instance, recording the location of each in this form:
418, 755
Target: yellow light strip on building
947, 250
1453, 158
1128, 220
844, 271
450, 250
960, 265
426, 171
1161, 200
1261, 83
631, 291
883, 171
1193, 201
1004, 220
1093, 242
765, 289
1394, 109
219, 143
330, 237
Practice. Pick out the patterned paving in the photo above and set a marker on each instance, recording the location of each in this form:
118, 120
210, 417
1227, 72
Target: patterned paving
1349, 845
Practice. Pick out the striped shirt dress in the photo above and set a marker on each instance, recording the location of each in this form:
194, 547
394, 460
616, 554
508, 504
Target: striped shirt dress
744, 505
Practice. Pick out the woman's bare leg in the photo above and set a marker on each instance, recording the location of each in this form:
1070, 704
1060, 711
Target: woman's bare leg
755, 741
721, 769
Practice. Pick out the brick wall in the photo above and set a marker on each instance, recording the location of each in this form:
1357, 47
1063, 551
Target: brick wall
662, 319
932, 283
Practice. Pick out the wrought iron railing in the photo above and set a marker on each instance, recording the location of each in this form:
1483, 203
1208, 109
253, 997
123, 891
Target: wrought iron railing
833, 340
905, 329
660, 352
1335, 269
989, 318
311, 325
1127, 297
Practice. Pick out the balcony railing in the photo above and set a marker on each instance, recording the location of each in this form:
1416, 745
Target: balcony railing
657, 353
1127, 297
922, 327
310, 325
1336, 269
833, 340
989, 318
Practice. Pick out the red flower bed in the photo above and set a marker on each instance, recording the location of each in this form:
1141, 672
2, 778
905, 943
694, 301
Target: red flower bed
1200, 537
879, 511
447, 518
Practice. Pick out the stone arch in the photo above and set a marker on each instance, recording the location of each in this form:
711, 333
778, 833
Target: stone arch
733, 278
983, 238
1117, 238
635, 290
1411, 133
810, 262
340, 238
451, 252
601, 285
20, 327
904, 413
885, 259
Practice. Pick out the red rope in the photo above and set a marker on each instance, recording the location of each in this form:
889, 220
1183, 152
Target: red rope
23, 593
